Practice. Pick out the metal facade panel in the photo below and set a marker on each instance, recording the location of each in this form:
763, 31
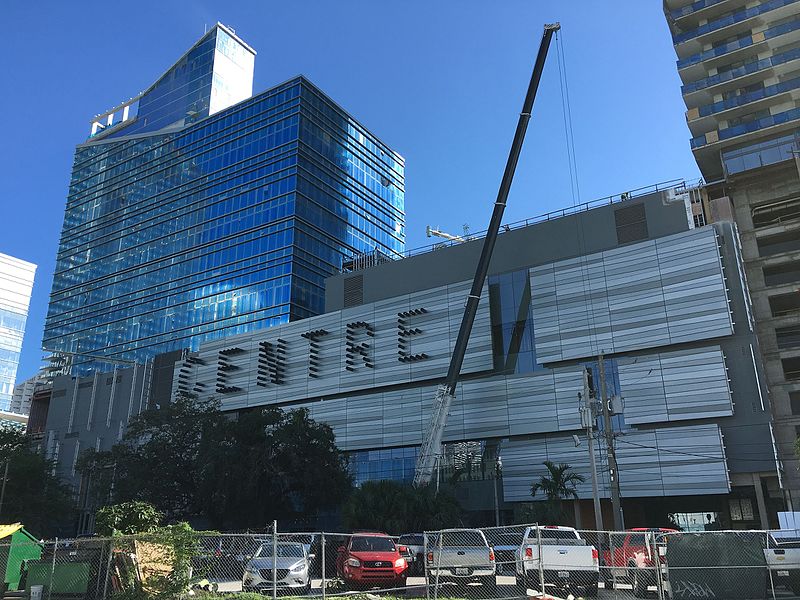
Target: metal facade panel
674, 386
654, 293
390, 342
668, 461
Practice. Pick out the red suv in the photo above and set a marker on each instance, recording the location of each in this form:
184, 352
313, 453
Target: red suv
372, 560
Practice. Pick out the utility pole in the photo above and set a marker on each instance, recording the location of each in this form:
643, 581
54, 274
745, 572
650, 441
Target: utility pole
613, 471
589, 408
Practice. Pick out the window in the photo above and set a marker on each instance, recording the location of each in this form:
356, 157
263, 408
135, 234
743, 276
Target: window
788, 272
788, 241
788, 337
791, 368
784, 304
699, 220
741, 509
782, 211
794, 402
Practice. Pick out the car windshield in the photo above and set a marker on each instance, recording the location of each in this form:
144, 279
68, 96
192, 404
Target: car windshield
372, 543
412, 540
555, 534
504, 539
284, 551
462, 538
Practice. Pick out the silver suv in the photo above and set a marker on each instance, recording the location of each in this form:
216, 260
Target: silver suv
290, 564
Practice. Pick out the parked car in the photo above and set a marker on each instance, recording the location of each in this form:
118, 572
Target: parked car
783, 560
566, 560
414, 543
371, 560
287, 564
629, 559
461, 556
505, 545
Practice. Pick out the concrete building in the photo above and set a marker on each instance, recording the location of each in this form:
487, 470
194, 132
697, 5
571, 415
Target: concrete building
197, 210
739, 63
633, 278
23, 394
16, 285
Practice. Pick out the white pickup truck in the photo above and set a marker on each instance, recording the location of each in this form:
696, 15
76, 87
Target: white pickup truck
566, 562
783, 560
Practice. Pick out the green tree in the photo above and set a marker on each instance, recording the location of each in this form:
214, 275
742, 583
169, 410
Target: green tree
239, 471
127, 518
399, 508
558, 484
271, 464
33, 494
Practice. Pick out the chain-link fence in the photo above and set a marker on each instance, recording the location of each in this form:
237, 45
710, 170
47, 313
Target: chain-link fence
477, 564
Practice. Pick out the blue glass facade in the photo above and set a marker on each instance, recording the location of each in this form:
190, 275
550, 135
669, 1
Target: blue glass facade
512, 322
16, 284
222, 226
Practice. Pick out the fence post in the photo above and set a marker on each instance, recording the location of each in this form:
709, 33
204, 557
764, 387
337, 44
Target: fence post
425, 564
656, 560
438, 565
52, 570
769, 571
322, 554
274, 560
539, 556
108, 567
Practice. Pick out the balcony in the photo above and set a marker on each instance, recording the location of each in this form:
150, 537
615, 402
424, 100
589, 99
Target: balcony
744, 128
752, 67
727, 21
744, 99
692, 8
724, 49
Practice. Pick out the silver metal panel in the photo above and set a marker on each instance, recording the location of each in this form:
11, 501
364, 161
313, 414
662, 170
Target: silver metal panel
654, 293
674, 386
669, 461
390, 342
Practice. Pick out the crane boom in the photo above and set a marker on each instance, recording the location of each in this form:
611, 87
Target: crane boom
445, 393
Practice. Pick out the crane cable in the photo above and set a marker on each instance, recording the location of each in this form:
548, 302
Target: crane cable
566, 111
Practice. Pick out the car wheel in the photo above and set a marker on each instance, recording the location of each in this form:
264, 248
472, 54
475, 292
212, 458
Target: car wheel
591, 591
489, 583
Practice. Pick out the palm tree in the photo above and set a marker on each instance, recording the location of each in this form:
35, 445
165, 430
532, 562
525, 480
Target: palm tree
558, 484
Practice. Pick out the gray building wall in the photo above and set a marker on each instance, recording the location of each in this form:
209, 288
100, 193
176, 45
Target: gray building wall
555, 238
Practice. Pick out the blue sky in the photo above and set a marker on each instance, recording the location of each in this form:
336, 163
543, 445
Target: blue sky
441, 82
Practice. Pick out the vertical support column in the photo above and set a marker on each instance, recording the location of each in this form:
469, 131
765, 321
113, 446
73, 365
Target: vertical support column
322, 570
274, 560
762, 505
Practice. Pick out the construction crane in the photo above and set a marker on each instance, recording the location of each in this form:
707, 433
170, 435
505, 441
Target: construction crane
430, 450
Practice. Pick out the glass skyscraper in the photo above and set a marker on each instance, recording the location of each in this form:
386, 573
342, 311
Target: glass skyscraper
196, 211
16, 284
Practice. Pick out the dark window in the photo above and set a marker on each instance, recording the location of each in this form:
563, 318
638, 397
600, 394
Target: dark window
784, 304
788, 337
791, 368
765, 215
794, 401
631, 224
354, 291
741, 509
788, 241
788, 272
